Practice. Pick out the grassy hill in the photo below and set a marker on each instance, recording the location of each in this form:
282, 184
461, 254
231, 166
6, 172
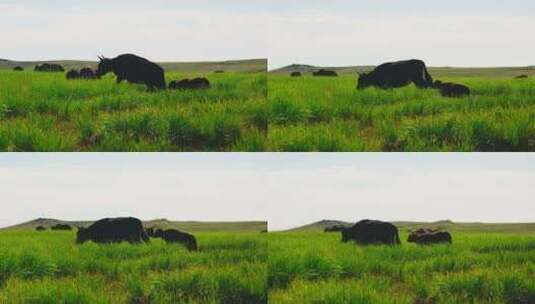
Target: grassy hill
247, 65
505, 72
447, 225
190, 226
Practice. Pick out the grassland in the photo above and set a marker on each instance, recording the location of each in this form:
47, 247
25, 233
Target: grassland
316, 267
48, 267
46, 112
328, 114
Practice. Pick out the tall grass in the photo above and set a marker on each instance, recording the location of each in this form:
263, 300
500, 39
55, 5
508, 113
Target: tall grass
48, 267
45, 112
498, 116
477, 268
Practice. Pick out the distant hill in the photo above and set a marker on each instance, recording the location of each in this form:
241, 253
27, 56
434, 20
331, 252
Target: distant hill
248, 65
507, 72
447, 225
190, 226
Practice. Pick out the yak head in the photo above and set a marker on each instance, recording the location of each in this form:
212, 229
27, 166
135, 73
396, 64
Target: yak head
104, 66
364, 81
82, 235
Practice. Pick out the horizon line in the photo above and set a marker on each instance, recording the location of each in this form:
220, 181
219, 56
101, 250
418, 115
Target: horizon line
429, 66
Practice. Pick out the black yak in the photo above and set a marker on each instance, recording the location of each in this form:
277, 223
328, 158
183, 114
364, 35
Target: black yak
219, 72
521, 77
175, 236
397, 74
18, 68
368, 232
424, 236
73, 74
133, 69
49, 67
113, 230
40, 228
190, 84
327, 73
87, 73
449, 89
295, 74
61, 227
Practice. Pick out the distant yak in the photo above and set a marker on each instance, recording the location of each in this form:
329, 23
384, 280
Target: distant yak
449, 89
190, 84
424, 236
18, 68
323, 72
88, 73
61, 227
521, 77
49, 67
175, 236
396, 74
113, 230
219, 71
370, 232
133, 69
84, 73
40, 228
73, 74
295, 74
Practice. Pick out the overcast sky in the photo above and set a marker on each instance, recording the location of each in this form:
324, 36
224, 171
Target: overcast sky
288, 190
362, 32
336, 32
162, 30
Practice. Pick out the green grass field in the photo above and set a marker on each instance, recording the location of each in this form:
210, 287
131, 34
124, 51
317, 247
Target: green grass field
329, 114
48, 267
46, 112
316, 267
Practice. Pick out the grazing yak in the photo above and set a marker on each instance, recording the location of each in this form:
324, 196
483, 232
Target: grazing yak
295, 74
449, 89
323, 72
40, 228
521, 77
61, 227
219, 71
189, 84
368, 232
113, 230
18, 68
175, 236
49, 67
73, 74
425, 236
88, 73
396, 74
133, 69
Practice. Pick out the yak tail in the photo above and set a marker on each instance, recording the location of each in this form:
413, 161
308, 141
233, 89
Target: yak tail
396, 240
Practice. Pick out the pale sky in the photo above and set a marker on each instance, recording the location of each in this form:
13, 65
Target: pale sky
318, 32
369, 32
287, 190
161, 30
